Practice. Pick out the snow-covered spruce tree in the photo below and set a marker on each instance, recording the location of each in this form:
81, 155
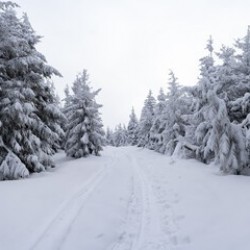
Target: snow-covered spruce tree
227, 86
132, 129
120, 136
231, 78
239, 106
66, 101
233, 86
172, 124
84, 131
201, 127
29, 117
216, 137
57, 124
225, 140
146, 121
158, 126
243, 63
109, 137
67, 98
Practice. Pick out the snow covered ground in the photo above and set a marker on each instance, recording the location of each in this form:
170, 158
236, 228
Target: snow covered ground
127, 199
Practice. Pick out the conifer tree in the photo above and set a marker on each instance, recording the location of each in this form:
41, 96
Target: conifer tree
120, 137
157, 128
146, 121
173, 125
239, 106
219, 90
225, 140
109, 137
67, 96
30, 117
84, 132
66, 102
133, 129
200, 125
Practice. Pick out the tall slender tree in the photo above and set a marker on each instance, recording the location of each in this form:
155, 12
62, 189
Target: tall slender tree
120, 137
146, 121
175, 106
110, 137
157, 128
133, 128
84, 132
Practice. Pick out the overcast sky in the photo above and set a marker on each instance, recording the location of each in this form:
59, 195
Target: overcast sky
128, 46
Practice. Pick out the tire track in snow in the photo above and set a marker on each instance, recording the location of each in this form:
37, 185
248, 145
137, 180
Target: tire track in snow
54, 233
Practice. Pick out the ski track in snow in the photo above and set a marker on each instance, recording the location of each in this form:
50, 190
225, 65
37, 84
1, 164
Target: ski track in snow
148, 226
55, 232
129, 199
150, 222
166, 200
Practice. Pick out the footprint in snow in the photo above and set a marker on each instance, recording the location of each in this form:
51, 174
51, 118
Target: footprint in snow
99, 236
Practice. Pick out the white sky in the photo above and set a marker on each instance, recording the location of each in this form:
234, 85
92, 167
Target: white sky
128, 46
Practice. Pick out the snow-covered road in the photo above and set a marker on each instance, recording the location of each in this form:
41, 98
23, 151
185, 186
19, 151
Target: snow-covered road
127, 199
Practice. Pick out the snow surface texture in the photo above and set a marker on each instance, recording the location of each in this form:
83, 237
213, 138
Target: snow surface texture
127, 199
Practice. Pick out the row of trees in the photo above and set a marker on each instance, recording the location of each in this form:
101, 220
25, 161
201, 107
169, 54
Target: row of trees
209, 121
122, 135
32, 124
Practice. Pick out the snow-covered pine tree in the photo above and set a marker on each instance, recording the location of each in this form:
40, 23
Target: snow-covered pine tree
157, 128
146, 121
67, 96
239, 105
109, 137
171, 119
200, 126
226, 81
217, 138
66, 102
56, 123
225, 140
233, 86
243, 60
84, 131
120, 137
29, 117
132, 128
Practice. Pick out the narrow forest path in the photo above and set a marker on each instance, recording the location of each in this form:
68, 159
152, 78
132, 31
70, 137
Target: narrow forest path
127, 199
120, 194
148, 225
